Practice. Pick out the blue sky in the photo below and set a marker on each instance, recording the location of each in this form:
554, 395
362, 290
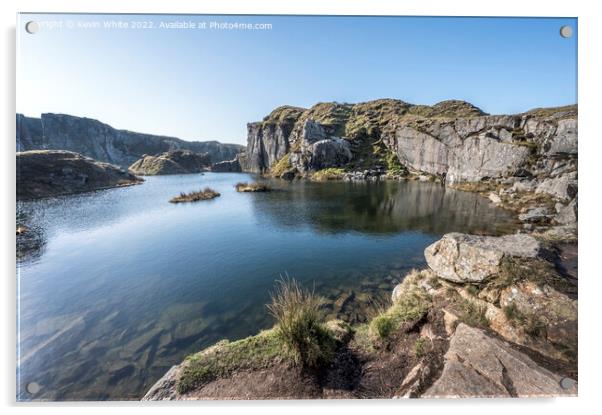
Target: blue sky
202, 84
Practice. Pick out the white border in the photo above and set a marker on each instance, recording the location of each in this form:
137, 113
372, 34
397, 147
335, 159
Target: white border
590, 150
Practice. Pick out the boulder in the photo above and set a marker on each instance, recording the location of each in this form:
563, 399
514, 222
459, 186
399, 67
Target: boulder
545, 310
332, 152
495, 198
524, 186
165, 388
567, 215
536, 215
563, 187
478, 365
45, 173
565, 139
463, 258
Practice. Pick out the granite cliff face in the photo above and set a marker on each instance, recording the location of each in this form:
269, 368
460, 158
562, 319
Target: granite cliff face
171, 162
102, 142
45, 173
452, 140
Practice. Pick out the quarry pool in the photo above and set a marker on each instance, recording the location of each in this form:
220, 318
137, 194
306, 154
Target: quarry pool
122, 284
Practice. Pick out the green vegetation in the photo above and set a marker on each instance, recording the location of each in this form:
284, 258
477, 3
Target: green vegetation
382, 325
537, 271
434, 282
449, 109
252, 187
529, 322
285, 113
566, 111
410, 306
420, 347
281, 166
472, 289
473, 314
332, 173
206, 194
299, 335
224, 358
393, 165
299, 328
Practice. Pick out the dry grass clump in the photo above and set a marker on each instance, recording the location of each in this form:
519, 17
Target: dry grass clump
331, 173
252, 187
299, 324
206, 194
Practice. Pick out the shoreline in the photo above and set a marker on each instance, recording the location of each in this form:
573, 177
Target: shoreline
450, 306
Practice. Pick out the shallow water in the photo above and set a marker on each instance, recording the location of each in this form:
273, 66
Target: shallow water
124, 284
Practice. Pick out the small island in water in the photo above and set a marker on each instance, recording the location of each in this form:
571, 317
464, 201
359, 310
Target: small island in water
485, 312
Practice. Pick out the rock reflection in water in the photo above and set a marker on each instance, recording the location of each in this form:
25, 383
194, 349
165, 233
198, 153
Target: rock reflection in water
381, 208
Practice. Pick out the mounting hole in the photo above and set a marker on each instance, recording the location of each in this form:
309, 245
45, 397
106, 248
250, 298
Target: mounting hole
566, 31
32, 27
33, 388
567, 383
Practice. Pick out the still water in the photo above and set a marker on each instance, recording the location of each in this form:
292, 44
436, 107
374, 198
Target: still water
124, 284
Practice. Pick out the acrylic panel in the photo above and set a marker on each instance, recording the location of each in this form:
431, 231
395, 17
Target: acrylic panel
295, 207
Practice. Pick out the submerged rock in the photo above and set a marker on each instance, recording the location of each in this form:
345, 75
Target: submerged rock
478, 365
469, 258
45, 173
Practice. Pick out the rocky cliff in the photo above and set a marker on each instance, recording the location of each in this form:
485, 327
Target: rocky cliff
452, 140
171, 162
44, 173
102, 142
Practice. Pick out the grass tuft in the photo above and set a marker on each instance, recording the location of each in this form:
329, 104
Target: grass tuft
206, 194
473, 314
529, 322
411, 305
331, 173
299, 328
420, 347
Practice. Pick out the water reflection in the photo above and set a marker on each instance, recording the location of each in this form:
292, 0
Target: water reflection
380, 208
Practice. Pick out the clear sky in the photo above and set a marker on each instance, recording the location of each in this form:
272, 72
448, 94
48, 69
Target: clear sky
207, 83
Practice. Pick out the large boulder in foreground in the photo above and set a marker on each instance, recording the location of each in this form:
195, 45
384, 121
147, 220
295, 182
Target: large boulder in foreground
171, 162
466, 258
478, 365
45, 173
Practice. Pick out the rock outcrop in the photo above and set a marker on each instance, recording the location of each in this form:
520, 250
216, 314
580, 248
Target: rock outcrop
102, 142
478, 365
171, 162
463, 258
227, 166
45, 173
452, 139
